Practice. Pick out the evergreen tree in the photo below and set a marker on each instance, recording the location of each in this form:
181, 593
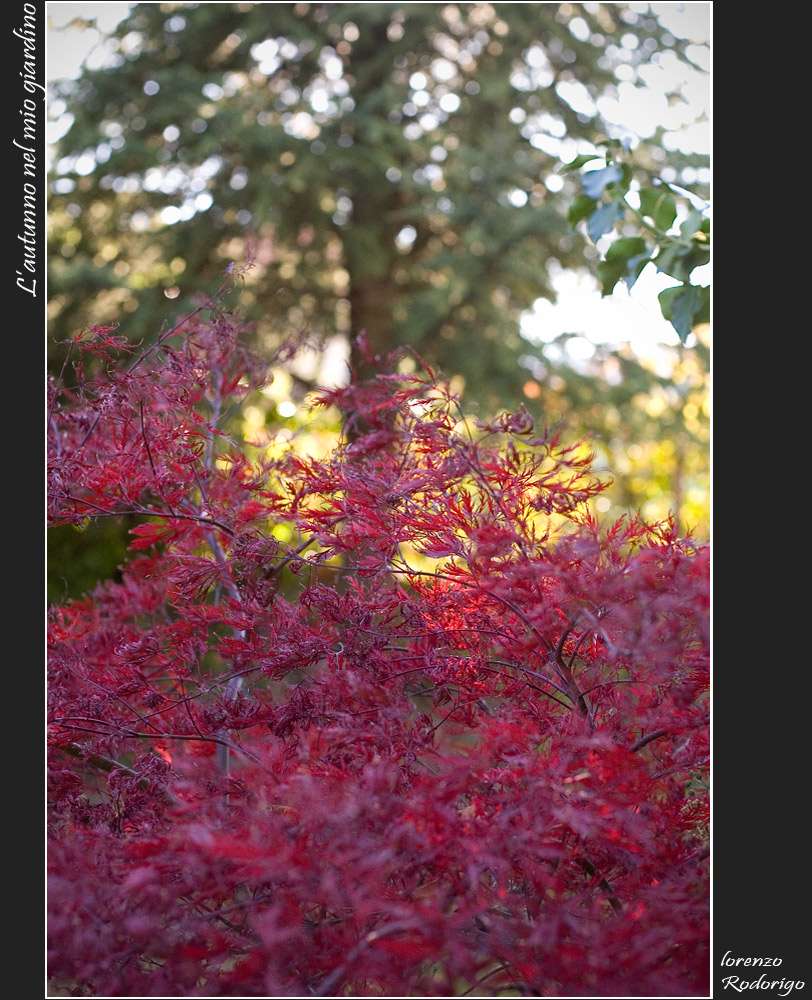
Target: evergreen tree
391, 167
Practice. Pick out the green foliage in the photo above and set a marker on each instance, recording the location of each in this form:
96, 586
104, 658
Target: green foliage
675, 244
387, 165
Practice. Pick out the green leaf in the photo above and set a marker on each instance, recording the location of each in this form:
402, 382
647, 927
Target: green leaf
578, 162
603, 220
595, 181
693, 225
626, 247
678, 260
659, 205
702, 315
636, 254
627, 175
636, 265
685, 306
668, 260
609, 274
625, 259
580, 208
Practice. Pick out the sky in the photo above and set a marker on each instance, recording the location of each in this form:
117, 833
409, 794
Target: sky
632, 316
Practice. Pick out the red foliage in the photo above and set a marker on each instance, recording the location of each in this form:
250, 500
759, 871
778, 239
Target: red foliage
403, 721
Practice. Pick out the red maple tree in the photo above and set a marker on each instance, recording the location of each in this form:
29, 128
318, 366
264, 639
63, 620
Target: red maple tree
400, 721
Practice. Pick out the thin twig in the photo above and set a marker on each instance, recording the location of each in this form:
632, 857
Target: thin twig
114, 730
58, 384
144, 436
566, 673
146, 512
161, 340
645, 740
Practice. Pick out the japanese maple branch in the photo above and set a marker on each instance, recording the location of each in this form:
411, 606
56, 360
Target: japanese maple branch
147, 512
659, 733
534, 687
123, 733
161, 340
327, 987
566, 673
504, 967
58, 384
109, 764
650, 738
407, 570
99, 760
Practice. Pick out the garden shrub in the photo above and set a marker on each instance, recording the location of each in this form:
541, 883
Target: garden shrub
402, 720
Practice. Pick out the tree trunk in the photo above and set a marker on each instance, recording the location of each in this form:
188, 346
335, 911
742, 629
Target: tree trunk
371, 301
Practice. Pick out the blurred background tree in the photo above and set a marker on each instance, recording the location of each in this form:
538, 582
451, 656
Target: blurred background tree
391, 167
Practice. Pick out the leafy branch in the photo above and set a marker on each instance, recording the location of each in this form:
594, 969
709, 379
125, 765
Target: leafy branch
673, 233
